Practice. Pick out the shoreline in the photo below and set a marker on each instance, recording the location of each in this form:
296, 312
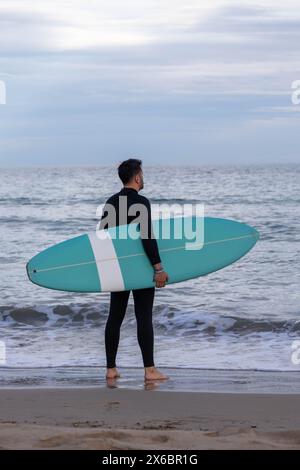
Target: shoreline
181, 380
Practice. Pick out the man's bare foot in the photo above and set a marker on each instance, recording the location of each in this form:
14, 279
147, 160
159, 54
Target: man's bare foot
151, 373
112, 373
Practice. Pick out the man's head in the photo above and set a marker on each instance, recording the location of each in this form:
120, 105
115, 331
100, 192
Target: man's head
131, 173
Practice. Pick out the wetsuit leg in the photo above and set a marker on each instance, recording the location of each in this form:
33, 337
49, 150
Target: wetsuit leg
117, 310
143, 305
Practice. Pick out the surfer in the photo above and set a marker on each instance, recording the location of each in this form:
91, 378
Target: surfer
116, 213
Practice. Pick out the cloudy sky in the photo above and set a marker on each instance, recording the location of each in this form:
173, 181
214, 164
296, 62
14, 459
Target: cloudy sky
170, 81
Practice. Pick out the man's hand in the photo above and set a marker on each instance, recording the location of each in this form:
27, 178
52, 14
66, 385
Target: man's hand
160, 276
161, 279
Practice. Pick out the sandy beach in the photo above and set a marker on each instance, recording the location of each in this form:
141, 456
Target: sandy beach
112, 418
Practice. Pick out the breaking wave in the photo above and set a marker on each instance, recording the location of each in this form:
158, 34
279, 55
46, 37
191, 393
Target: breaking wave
166, 320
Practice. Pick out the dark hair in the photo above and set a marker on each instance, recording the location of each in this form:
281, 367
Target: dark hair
128, 169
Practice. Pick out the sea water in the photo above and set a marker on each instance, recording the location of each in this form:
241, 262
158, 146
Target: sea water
246, 316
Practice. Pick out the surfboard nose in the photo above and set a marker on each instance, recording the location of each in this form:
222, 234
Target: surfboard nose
31, 271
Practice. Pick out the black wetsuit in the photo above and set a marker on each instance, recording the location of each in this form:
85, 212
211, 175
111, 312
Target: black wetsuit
143, 298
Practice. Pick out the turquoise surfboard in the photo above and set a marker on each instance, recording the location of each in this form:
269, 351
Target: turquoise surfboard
114, 262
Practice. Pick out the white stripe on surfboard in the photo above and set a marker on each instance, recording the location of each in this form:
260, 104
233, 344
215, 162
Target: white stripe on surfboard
110, 274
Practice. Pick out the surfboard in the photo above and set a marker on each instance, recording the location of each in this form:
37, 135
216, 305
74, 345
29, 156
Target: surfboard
114, 262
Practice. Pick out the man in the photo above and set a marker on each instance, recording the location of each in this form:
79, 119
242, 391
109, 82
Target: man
131, 175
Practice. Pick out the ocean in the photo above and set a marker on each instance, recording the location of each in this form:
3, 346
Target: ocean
244, 317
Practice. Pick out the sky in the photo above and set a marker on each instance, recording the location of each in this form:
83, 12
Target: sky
169, 81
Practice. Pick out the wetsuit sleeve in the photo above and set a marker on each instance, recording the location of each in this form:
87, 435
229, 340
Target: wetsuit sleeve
149, 242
